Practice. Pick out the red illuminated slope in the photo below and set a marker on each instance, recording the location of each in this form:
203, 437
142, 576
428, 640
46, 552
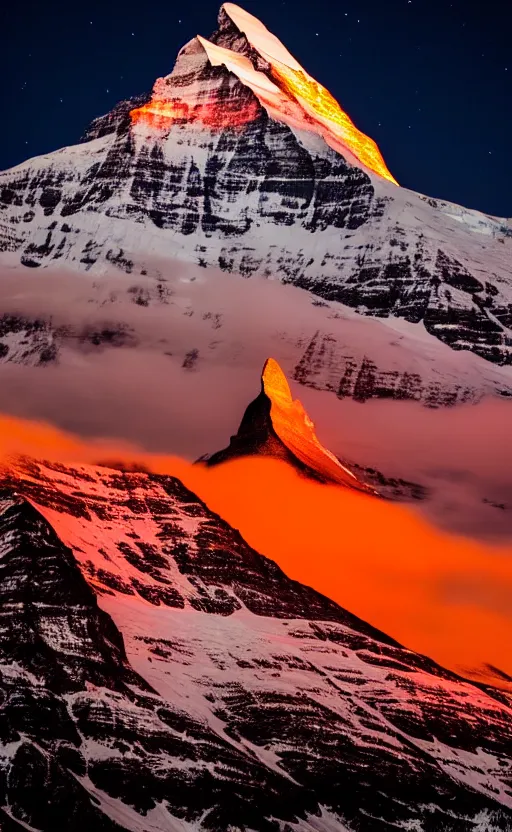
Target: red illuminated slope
157, 673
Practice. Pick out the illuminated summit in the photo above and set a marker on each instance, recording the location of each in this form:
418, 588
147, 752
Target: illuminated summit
283, 88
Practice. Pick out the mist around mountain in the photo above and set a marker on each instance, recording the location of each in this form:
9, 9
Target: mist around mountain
142, 364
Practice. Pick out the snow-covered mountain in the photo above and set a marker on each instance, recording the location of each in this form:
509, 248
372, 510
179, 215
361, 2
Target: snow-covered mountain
158, 675
240, 161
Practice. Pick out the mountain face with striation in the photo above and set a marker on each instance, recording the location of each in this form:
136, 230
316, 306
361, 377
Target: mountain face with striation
239, 161
158, 674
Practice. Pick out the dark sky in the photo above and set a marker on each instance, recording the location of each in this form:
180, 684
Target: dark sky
430, 80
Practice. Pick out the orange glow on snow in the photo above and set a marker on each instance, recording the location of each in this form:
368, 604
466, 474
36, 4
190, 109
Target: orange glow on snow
378, 560
319, 103
294, 427
163, 114
315, 100
157, 112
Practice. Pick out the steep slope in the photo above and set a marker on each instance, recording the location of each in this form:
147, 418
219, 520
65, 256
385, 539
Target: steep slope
81, 729
249, 701
233, 162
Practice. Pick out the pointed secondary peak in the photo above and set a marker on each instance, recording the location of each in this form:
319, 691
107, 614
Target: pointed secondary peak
275, 382
296, 430
276, 425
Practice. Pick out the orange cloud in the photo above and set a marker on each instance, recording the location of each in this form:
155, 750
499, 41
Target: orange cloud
446, 596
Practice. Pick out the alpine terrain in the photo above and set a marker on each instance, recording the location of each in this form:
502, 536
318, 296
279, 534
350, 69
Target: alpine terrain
157, 674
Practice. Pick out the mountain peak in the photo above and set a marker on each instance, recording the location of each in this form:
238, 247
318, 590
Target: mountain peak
297, 431
276, 425
261, 63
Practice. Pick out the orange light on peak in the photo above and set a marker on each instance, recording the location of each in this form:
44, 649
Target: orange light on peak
315, 101
320, 104
294, 427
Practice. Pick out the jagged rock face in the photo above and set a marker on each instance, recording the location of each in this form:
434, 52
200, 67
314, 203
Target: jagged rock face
116, 121
225, 184
259, 434
362, 377
77, 720
54, 642
240, 699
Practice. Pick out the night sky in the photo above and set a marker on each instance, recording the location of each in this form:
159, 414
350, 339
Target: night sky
429, 80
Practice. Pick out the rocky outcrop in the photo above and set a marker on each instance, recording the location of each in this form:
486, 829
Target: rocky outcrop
26, 341
275, 425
